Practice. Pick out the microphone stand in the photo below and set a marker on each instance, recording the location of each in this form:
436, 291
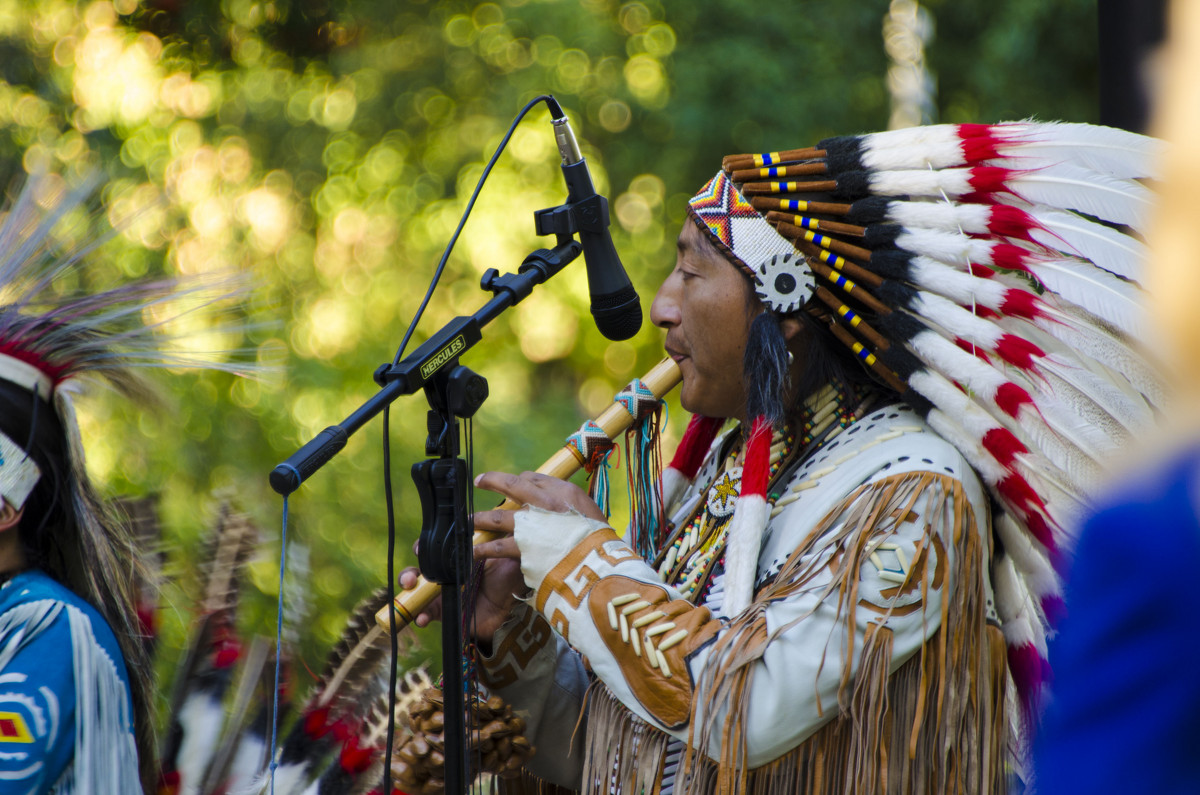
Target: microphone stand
454, 392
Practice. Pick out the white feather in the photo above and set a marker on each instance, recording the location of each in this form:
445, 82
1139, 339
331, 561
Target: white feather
248, 763
1117, 302
968, 416
288, 780
1030, 562
972, 422
1109, 351
953, 362
958, 321
1056, 429
948, 182
962, 288
1072, 187
1106, 247
1019, 618
1108, 150
980, 459
1062, 492
953, 248
1120, 414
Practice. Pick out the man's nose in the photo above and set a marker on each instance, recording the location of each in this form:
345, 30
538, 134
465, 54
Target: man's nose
664, 312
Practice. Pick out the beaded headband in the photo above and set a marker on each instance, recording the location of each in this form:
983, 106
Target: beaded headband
782, 280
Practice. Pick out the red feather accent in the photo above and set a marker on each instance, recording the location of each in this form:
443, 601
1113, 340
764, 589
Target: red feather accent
979, 142
316, 722
1003, 446
1021, 304
343, 730
698, 437
1028, 671
991, 179
1031, 507
1010, 398
1011, 257
1009, 221
1018, 351
757, 469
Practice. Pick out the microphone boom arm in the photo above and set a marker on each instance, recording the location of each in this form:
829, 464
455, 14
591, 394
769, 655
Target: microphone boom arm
440, 350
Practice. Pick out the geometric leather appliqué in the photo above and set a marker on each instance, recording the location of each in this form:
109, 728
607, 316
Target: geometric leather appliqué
891, 563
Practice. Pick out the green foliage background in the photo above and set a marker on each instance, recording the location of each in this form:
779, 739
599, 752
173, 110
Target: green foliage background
327, 149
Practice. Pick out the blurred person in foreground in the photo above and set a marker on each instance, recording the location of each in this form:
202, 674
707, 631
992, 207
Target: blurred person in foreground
75, 683
851, 590
1124, 715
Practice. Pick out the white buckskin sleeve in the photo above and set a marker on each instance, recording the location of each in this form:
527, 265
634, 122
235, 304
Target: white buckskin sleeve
893, 506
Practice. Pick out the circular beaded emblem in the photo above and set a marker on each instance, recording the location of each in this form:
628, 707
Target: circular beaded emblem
784, 282
722, 496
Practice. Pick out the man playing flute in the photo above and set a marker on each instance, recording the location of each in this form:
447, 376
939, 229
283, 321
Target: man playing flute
856, 576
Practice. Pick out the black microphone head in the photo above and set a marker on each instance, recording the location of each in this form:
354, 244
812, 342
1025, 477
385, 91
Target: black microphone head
618, 314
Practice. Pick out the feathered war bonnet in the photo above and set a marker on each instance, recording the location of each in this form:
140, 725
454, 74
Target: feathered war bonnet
53, 339
988, 274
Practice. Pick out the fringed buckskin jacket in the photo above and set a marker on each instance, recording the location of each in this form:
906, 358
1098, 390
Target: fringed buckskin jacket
870, 659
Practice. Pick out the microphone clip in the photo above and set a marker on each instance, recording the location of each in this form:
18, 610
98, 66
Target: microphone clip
587, 215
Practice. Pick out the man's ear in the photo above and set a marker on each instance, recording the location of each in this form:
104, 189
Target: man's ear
791, 328
9, 515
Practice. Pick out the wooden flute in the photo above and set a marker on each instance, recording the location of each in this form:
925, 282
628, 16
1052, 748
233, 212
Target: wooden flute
614, 420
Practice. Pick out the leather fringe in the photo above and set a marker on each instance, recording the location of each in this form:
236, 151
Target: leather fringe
938, 724
623, 753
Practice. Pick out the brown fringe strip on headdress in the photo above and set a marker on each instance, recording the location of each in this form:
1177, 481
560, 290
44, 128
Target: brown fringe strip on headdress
936, 725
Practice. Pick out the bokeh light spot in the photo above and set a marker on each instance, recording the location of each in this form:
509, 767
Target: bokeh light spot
615, 116
646, 80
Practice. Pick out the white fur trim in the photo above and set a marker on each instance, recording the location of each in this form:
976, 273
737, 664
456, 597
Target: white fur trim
741, 553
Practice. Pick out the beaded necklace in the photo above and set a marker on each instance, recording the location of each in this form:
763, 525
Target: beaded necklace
698, 546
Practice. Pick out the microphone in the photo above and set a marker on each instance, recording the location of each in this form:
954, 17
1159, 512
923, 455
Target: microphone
615, 304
